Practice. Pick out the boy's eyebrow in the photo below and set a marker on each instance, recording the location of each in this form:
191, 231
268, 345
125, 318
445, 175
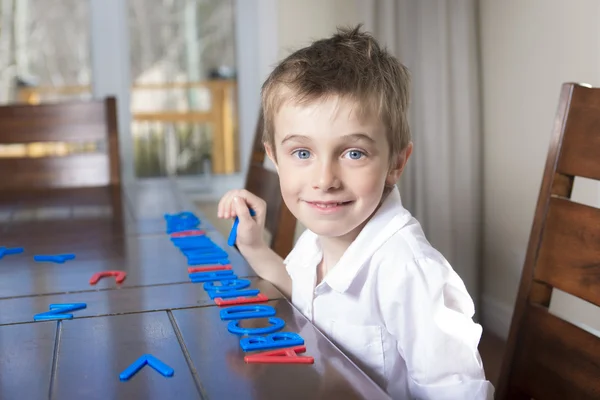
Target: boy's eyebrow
298, 138
357, 137
353, 137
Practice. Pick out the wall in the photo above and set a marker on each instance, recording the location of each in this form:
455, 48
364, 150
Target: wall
301, 22
528, 49
256, 50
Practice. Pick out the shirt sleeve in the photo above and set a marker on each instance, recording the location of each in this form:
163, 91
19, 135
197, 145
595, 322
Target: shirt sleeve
426, 307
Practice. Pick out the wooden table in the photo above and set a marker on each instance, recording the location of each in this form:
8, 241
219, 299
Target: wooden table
156, 310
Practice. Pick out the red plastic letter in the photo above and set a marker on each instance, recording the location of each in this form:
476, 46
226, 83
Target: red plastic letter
193, 232
281, 356
209, 268
119, 276
259, 298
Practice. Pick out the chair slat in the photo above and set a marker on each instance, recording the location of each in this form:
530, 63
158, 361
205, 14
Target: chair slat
580, 152
82, 121
77, 170
280, 222
569, 255
93, 122
556, 360
264, 183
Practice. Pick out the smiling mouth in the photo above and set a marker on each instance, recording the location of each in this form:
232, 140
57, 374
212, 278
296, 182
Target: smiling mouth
328, 204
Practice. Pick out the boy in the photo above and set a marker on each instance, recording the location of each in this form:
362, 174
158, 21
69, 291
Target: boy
363, 272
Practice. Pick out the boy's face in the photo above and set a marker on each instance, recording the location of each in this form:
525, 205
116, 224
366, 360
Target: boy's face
332, 166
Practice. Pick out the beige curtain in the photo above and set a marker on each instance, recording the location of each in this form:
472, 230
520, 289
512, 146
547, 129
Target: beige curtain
437, 41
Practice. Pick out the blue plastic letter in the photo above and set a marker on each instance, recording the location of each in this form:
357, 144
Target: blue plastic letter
227, 294
233, 284
208, 276
245, 312
275, 325
272, 341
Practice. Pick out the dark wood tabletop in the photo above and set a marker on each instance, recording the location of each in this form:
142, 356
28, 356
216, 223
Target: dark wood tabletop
157, 310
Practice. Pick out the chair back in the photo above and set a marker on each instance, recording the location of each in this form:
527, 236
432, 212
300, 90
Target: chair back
264, 183
546, 356
82, 137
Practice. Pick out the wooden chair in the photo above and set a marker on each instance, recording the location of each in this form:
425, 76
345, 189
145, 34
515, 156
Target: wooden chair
264, 183
70, 179
83, 122
548, 357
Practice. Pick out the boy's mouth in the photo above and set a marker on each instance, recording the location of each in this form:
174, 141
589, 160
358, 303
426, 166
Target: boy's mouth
328, 204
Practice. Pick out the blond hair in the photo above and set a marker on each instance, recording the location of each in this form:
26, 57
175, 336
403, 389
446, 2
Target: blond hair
350, 64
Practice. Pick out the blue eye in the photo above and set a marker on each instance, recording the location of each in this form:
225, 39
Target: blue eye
355, 154
302, 154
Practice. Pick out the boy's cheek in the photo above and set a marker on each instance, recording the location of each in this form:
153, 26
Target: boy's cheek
288, 168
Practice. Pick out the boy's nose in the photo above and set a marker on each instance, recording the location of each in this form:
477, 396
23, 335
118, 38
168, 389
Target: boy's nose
327, 177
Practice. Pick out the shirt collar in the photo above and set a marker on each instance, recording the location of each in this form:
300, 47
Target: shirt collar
386, 221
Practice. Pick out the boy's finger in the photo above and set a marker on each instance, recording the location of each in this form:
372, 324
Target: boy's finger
253, 202
229, 209
232, 208
225, 205
241, 209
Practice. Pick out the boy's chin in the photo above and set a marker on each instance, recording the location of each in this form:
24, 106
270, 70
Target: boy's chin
325, 230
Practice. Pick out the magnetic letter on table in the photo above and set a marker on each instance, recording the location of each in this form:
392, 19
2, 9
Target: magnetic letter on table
244, 312
212, 276
272, 341
233, 233
192, 242
205, 252
57, 311
209, 268
149, 359
119, 276
233, 284
192, 232
211, 258
228, 287
184, 221
4, 251
281, 356
276, 324
225, 294
209, 261
58, 258
259, 298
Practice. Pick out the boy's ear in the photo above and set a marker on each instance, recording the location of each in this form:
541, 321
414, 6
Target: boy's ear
396, 170
271, 154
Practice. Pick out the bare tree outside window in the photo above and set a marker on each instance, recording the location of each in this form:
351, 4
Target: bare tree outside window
172, 40
44, 43
183, 70
175, 46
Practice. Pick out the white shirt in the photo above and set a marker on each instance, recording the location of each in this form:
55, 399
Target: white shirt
396, 307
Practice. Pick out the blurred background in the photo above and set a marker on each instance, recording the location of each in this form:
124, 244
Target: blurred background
187, 75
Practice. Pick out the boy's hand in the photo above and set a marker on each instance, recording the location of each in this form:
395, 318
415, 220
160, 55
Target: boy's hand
237, 203
250, 242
